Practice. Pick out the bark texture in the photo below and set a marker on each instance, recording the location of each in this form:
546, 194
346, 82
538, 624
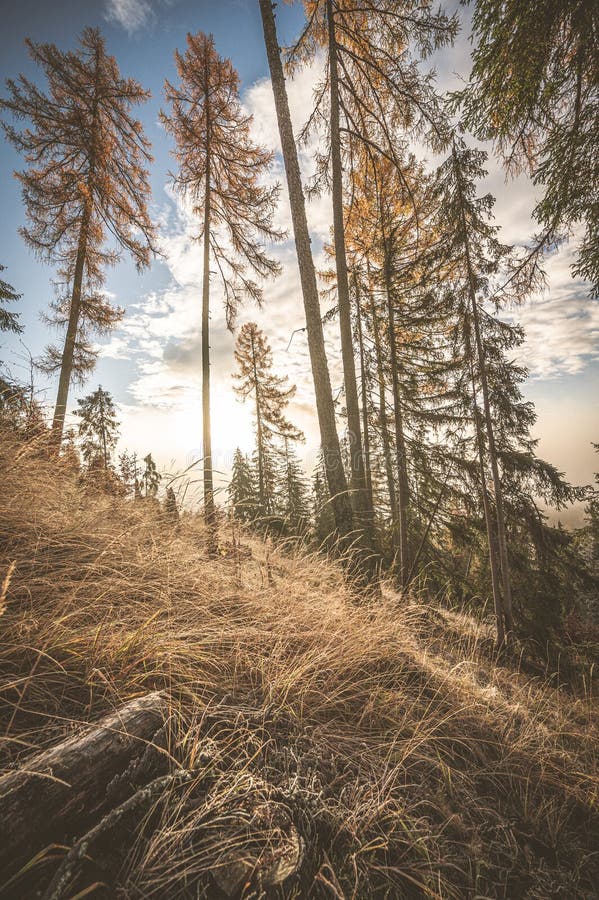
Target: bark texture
320, 371
67, 783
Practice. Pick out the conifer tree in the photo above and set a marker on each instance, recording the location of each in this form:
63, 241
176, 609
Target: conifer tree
9, 321
534, 91
86, 180
325, 407
171, 510
128, 471
372, 88
271, 395
150, 478
242, 488
220, 172
293, 491
98, 429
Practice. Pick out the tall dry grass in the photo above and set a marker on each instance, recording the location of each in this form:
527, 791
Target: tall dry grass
410, 762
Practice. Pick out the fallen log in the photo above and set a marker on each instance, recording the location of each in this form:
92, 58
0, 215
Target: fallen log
57, 791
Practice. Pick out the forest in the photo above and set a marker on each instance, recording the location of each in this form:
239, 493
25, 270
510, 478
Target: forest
359, 669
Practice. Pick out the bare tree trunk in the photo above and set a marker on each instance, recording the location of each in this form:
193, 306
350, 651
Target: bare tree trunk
383, 424
493, 563
357, 468
497, 488
259, 434
364, 393
320, 371
66, 365
209, 511
403, 486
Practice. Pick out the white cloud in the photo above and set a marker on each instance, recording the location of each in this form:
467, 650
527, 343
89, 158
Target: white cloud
129, 14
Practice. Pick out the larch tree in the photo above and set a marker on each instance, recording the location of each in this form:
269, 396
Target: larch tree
86, 181
220, 172
325, 407
534, 91
271, 394
9, 321
98, 429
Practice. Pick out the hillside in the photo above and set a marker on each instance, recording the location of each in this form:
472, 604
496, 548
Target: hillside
375, 743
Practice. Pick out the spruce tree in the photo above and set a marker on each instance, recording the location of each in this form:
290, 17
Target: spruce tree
271, 395
151, 478
220, 172
242, 488
86, 181
293, 491
9, 321
128, 471
98, 429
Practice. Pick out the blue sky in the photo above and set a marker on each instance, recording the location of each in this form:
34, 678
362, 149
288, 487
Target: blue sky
152, 363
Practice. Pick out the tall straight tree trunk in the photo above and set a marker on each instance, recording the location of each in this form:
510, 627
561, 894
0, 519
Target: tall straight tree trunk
103, 421
357, 468
364, 398
325, 407
259, 435
383, 424
492, 449
403, 485
493, 562
209, 511
66, 364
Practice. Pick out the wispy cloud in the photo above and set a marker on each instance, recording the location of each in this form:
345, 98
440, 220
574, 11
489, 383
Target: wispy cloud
129, 14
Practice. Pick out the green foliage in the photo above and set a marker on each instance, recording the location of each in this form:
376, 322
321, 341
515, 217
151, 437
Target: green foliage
98, 429
242, 488
534, 90
150, 479
9, 321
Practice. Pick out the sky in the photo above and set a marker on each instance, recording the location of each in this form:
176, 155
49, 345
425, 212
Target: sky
151, 364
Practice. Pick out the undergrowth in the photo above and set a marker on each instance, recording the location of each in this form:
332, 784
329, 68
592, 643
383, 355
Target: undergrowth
377, 738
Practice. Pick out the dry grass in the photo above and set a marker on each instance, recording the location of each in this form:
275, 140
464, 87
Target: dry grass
408, 761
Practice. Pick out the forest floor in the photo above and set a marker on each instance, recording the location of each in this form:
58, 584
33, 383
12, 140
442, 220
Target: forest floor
376, 746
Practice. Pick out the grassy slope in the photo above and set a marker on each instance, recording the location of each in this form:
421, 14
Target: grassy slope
410, 764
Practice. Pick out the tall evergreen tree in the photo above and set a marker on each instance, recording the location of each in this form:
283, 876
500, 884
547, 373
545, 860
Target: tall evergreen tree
98, 429
220, 171
128, 471
293, 491
150, 478
86, 179
242, 488
271, 395
9, 321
